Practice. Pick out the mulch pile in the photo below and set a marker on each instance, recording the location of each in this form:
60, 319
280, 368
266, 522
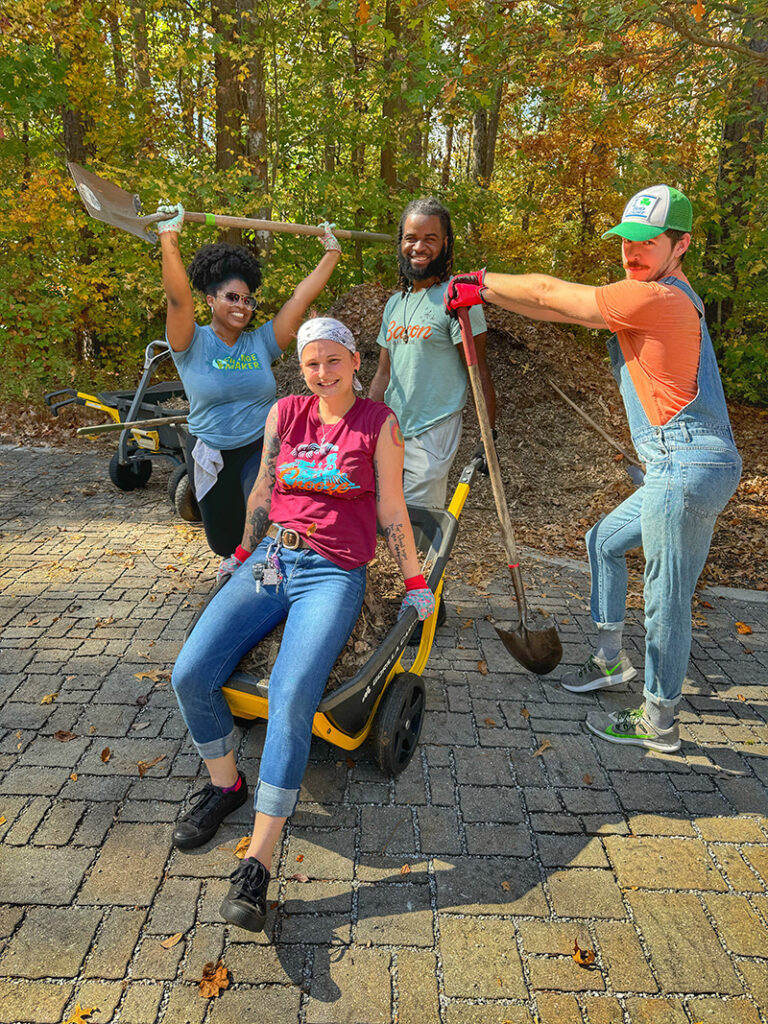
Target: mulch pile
559, 475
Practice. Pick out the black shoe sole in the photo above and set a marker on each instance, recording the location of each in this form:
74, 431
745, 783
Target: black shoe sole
243, 915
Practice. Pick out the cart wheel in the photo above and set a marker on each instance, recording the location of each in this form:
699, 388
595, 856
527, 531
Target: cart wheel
398, 722
182, 495
129, 477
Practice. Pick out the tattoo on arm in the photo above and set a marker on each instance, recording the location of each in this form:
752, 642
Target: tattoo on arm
395, 535
396, 433
376, 477
256, 525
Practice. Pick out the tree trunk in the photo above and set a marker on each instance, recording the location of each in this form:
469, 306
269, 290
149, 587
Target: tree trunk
140, 45
229, 116
480, 147
493, 130
445, 176
118, 62
391, 104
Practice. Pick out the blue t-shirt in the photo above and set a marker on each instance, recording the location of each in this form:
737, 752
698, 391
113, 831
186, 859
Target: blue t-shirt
230, 389
427, 380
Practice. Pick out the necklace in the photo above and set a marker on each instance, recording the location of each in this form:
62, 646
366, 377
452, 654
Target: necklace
407, 322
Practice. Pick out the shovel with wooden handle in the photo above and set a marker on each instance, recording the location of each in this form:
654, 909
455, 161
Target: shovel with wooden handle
538, 650
113, 205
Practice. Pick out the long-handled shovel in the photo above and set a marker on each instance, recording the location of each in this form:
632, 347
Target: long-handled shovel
538, 650
112, 204
159, 421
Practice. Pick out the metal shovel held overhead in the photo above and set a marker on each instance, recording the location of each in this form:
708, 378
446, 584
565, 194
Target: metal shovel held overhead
538, 650
113, 205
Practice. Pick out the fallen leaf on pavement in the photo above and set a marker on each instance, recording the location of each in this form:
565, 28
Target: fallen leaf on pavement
3, 819
300, 858
215, 978
405, 869
743, 628
706, 604
588, 780
506, 886
155, 675
80, 1014
49, 698
583, 957
546, 745
73, 776
64, 735
482, 668
299, 878
106, 754
144, 766
741, 696
172, 940
525, 713
490, 723
242, 846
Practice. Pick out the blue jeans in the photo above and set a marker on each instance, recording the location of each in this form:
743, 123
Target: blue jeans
672, 516
320, 603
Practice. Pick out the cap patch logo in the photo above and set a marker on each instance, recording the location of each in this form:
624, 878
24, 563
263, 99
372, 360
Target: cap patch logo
640, 207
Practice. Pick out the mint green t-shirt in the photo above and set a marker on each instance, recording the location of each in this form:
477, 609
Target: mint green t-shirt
428, 381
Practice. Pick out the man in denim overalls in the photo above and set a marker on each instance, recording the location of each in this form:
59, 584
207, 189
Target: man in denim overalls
664, 363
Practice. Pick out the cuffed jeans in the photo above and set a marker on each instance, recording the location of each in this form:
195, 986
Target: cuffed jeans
320, 603
672, 516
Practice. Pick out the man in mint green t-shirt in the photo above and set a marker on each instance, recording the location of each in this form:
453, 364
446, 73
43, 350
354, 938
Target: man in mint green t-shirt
422, 372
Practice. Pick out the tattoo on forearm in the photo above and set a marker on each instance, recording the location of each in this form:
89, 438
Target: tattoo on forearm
256, 525
395, 535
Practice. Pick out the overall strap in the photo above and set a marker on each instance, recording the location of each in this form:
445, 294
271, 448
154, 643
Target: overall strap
687, 290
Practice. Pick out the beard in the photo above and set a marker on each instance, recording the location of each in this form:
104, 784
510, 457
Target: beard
435, 268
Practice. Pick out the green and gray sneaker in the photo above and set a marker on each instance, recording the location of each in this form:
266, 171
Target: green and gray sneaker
631, 726
596, 674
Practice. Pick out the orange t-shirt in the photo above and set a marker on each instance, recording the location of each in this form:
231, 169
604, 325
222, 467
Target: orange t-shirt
660, 337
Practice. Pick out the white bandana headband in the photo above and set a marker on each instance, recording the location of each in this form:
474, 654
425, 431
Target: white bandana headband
325, 328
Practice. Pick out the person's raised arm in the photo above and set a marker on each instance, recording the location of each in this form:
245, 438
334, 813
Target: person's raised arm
289, 319
180, 318
393, 517
380, 381
537, 296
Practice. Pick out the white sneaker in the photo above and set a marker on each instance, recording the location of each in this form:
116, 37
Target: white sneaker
596, 674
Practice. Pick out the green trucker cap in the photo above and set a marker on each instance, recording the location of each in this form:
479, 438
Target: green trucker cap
652, 212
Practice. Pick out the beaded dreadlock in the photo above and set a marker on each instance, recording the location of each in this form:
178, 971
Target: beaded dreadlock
218, 262
429, 207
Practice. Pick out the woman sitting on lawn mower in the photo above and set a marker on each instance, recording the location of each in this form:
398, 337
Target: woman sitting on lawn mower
332, 466
226, 369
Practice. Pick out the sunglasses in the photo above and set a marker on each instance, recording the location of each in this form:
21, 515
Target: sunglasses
235, 298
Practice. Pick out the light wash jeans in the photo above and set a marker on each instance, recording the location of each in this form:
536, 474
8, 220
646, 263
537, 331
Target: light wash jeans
672, 516
322, 603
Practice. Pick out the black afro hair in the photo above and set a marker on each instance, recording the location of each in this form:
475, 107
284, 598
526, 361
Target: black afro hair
213, 264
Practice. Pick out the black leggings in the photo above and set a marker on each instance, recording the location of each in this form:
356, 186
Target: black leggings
223, 507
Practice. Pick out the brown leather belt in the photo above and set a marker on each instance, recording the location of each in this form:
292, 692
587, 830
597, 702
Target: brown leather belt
288, 538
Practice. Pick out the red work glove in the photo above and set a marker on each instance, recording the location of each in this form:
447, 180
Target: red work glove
464, 290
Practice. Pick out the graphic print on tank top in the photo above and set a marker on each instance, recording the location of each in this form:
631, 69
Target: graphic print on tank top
313, 468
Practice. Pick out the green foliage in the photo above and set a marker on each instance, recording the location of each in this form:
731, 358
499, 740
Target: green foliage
362, 101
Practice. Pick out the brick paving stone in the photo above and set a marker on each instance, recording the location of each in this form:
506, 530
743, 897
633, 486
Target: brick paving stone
33, 1002
685, 953
389, 828
563, 974
710, 1011
206, 945
653, 1011
26, 824
462, 1013
389, 869
50, 942
738, 925
115, 944
251, 962
585, 892
185, 1005
658, 863
480, 958
602, 1010
473, 885
555, 1008
490, 803
351, 990
661, 825
274, 1004
623, 958
394, 915
141, 1003
97, 821
324, 930
417, 985
103, 996
507, 840
59, 827
552, 937
154, 962
756, 976
730, 830
174, 905
45, 877
737, 871
45, 781
129, 866
573, 851
439, 830
326, 855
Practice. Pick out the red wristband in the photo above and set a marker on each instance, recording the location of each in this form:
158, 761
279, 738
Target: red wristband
241, 554
416, 583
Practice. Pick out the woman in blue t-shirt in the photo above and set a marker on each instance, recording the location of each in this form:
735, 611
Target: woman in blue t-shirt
226, 369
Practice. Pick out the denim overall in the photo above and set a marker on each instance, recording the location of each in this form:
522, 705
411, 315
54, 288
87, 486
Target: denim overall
692, 469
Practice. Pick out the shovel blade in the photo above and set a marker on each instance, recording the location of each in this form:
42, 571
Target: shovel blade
538, 650
110, 203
